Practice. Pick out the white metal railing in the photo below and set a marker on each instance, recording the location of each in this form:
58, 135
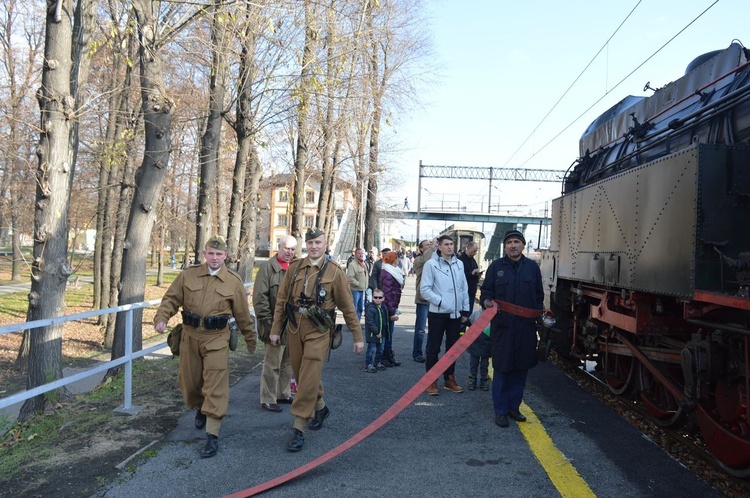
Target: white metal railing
126, 359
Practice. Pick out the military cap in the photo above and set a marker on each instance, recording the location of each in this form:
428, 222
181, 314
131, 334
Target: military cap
313, 233
217, 242
514, 234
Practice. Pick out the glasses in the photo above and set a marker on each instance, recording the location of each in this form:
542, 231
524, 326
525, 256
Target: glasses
378, 297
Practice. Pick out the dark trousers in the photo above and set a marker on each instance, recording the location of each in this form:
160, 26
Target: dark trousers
507, 390
441, 324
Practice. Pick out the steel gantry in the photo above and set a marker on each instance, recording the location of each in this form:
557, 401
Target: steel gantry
483, 173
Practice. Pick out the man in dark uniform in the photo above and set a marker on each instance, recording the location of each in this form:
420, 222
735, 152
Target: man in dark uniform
514, 279
305, 305
209, 295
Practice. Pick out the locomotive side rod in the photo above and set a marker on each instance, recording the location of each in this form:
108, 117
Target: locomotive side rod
679, 396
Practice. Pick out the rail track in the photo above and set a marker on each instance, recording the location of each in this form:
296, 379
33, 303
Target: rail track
684, 444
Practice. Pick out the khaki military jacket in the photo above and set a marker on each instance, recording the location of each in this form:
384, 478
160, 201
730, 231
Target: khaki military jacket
338, 294
265, 289
356, 272
196, 290
419, 262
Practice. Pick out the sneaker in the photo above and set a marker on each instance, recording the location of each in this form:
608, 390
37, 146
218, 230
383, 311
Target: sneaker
472, 383
380, 366
371, 369
484, 384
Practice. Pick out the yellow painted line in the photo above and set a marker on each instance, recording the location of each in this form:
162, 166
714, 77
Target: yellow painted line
563, 475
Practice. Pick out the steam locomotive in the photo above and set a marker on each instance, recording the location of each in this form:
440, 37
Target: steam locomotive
649, 264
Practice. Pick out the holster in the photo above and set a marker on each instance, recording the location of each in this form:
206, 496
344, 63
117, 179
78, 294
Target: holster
289, 308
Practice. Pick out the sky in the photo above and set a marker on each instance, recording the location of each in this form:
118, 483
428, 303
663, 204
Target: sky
504, 66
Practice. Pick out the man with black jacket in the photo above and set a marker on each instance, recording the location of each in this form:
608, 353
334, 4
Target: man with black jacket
471, 270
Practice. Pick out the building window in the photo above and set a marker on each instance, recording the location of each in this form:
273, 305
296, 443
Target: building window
283, 196
310, 197
309, 221
282, 220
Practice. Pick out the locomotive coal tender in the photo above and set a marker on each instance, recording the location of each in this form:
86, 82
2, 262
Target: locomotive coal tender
649, 264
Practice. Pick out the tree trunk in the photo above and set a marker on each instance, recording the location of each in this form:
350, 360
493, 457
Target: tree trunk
209, 150
250, 215
149, 179
326, 170
50, 269
300, 160
376, 94
118, 243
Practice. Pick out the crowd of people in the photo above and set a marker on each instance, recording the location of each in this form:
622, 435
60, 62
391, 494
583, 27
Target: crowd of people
295, 302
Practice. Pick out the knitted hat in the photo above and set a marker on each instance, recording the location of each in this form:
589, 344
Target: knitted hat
514, 234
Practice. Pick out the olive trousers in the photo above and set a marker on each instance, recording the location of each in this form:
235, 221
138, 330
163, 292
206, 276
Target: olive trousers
308, 348
204, 373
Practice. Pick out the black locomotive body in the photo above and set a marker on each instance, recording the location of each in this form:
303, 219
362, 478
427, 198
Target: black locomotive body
649, 264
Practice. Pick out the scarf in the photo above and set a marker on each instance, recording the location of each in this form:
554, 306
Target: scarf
395, 273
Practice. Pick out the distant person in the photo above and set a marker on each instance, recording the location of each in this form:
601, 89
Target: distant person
391, 283
358, 278
406, 203
425, 250
305, 308
277, 369
376, 268
471, 270
517, 280
444, 287
377, 320
403, 263
209, 295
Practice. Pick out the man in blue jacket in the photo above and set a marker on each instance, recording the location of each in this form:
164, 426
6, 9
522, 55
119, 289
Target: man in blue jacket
444, 286
514, 279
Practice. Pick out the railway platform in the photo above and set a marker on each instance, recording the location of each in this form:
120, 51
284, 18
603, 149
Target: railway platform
440, 446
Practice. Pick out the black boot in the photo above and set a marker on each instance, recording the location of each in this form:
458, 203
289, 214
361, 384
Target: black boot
317, 421
212, 446
297, 441
386, 359
200, 419
392, 358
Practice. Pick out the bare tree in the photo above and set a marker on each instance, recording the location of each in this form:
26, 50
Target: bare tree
157, 108
209, 150
304, 94
20, 73
50, 269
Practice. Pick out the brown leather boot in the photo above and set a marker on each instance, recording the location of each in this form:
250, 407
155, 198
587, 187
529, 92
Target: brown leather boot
451, 385
432, 389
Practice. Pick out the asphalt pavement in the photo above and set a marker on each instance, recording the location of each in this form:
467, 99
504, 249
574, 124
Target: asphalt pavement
439, 446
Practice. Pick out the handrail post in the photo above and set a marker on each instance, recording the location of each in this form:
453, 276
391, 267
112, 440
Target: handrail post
127, 407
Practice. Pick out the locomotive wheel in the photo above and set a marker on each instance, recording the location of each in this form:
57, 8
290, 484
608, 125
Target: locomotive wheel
725, 427
618, 371
664, 409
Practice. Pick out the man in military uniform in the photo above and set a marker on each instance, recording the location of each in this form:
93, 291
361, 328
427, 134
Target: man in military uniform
305, 305
209, 295
277, 370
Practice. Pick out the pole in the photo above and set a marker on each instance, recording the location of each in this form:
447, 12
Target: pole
419, 197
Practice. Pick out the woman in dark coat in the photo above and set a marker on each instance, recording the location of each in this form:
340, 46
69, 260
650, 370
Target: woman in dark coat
517, 280
391, 282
